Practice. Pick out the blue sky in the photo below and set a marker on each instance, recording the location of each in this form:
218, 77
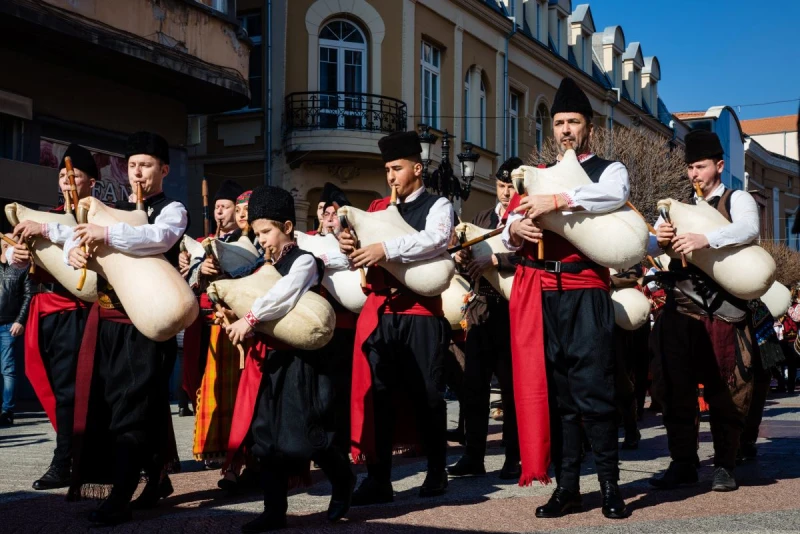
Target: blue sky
715, 52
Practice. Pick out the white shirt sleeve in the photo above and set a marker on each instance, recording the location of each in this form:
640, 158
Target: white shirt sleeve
428, 243
609, 193
652, 243
150, 239
335, 261
506, 235
59, 233
744, 226
287, 291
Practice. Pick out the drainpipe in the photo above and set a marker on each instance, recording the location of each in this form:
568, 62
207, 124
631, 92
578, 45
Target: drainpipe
505, 81
268, 118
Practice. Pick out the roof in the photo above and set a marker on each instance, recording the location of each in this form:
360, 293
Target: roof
683, 115
785, 123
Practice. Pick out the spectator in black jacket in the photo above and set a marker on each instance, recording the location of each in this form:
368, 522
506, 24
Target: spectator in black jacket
15, 297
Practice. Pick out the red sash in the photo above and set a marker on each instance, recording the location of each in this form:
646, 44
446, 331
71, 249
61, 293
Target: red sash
380, 300
42, 305
527, 345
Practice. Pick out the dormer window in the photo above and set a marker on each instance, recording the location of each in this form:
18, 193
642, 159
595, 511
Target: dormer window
633, 63
609, 46
651, 74
559, 10
581, 26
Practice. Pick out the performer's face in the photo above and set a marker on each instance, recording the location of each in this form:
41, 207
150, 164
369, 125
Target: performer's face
273, 236
320, 209
148, 171
405, 175
241, 216
224, 213
572, 130
504, 193
330, 221
83, 183
707, 173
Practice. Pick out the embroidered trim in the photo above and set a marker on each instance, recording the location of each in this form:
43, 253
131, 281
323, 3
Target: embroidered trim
286, 248
45, 231
568, 199
584, 157
251, 319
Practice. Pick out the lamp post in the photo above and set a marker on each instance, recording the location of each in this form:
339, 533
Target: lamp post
443, 181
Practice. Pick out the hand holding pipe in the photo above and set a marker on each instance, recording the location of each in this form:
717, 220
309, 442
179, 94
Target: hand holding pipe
665, 215
346, 226
519, 186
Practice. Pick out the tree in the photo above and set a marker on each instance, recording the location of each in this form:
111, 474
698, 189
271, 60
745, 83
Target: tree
786, 260
655, 166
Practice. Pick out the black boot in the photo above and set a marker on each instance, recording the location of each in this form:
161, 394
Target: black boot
632, 438
373, 491
341, 495
54, 477
435, 483
677, 474
275, 483
723, 480
153, 491
467, 466
613, 504
113, 511
511, 469
747, 451
562, 502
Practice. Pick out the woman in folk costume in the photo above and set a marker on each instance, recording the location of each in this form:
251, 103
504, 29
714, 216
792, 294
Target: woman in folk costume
693, 344
401, 337
488, 348
55, 325
123, 417
285, 399
562, 324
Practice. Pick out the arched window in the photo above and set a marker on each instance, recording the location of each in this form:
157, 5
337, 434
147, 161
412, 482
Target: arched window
542, 123
342, 74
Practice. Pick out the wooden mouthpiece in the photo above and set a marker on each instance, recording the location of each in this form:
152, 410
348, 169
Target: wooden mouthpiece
698, 190
540, 250
393, 199
204, 191
139, 199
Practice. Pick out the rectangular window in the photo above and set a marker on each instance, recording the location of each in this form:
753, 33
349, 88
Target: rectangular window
251, 22
513, 125
11, 134
430, 64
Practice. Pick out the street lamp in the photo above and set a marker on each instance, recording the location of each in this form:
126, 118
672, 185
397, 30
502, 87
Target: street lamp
468, 159
443, 181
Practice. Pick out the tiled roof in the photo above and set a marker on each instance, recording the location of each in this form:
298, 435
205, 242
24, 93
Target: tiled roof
785, 123
690, 114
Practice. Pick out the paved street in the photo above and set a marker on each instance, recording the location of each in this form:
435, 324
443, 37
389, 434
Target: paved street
767, 501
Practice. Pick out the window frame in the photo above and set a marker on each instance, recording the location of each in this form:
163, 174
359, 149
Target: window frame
482, 111
258, 41
513, 124
342, 100
430, 113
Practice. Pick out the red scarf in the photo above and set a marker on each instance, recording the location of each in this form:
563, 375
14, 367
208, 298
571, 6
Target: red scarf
380, 300
42, 305
527, 345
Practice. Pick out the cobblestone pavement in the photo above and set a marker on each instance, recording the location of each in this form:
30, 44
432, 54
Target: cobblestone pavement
768, 500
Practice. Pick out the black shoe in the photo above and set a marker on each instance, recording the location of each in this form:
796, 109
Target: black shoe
467, 466
341, 498
677, 473
372, 491
511, 470
231, 487
561, 503
54, 477
266, 522
723, 480
613, 505
631, 441
185, 412
152, 493
111, 512
6, 419
456, 436
435, 484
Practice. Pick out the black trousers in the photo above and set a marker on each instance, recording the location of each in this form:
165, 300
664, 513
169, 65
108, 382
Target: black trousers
488, 351
683, 357
761, 382
406, 356
59, 343
580, 360
633, 361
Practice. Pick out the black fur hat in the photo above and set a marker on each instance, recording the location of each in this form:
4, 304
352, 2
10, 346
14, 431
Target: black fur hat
82, 160
399, 145
229, 190
571, 99
271, 203
332, 194
504, 172
147, 143
702, 144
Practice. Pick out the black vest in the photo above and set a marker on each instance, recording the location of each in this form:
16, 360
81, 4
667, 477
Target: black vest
154, 205
415, 213
595, 166
284, 265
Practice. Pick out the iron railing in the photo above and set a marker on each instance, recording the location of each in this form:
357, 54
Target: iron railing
340, 110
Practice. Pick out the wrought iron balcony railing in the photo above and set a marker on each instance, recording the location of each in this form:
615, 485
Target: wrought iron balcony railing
345, 111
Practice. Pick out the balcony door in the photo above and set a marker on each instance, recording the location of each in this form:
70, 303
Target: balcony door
342, 76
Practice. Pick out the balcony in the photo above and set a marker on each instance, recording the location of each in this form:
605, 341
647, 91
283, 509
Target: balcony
341, 121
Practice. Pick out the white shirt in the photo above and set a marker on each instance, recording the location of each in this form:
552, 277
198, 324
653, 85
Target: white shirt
744, 227
609, 193
428, 243
56, 233
285, 294
335, 260
145, 240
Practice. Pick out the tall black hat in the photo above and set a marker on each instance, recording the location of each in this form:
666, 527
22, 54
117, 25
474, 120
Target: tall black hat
271, 203
504, 172
702, 144
229, 190
333, 195
399, 145
571, 99
147, 143
82, 159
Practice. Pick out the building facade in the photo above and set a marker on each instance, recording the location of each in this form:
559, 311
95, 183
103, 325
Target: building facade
776, 134
346, 72
93, 72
